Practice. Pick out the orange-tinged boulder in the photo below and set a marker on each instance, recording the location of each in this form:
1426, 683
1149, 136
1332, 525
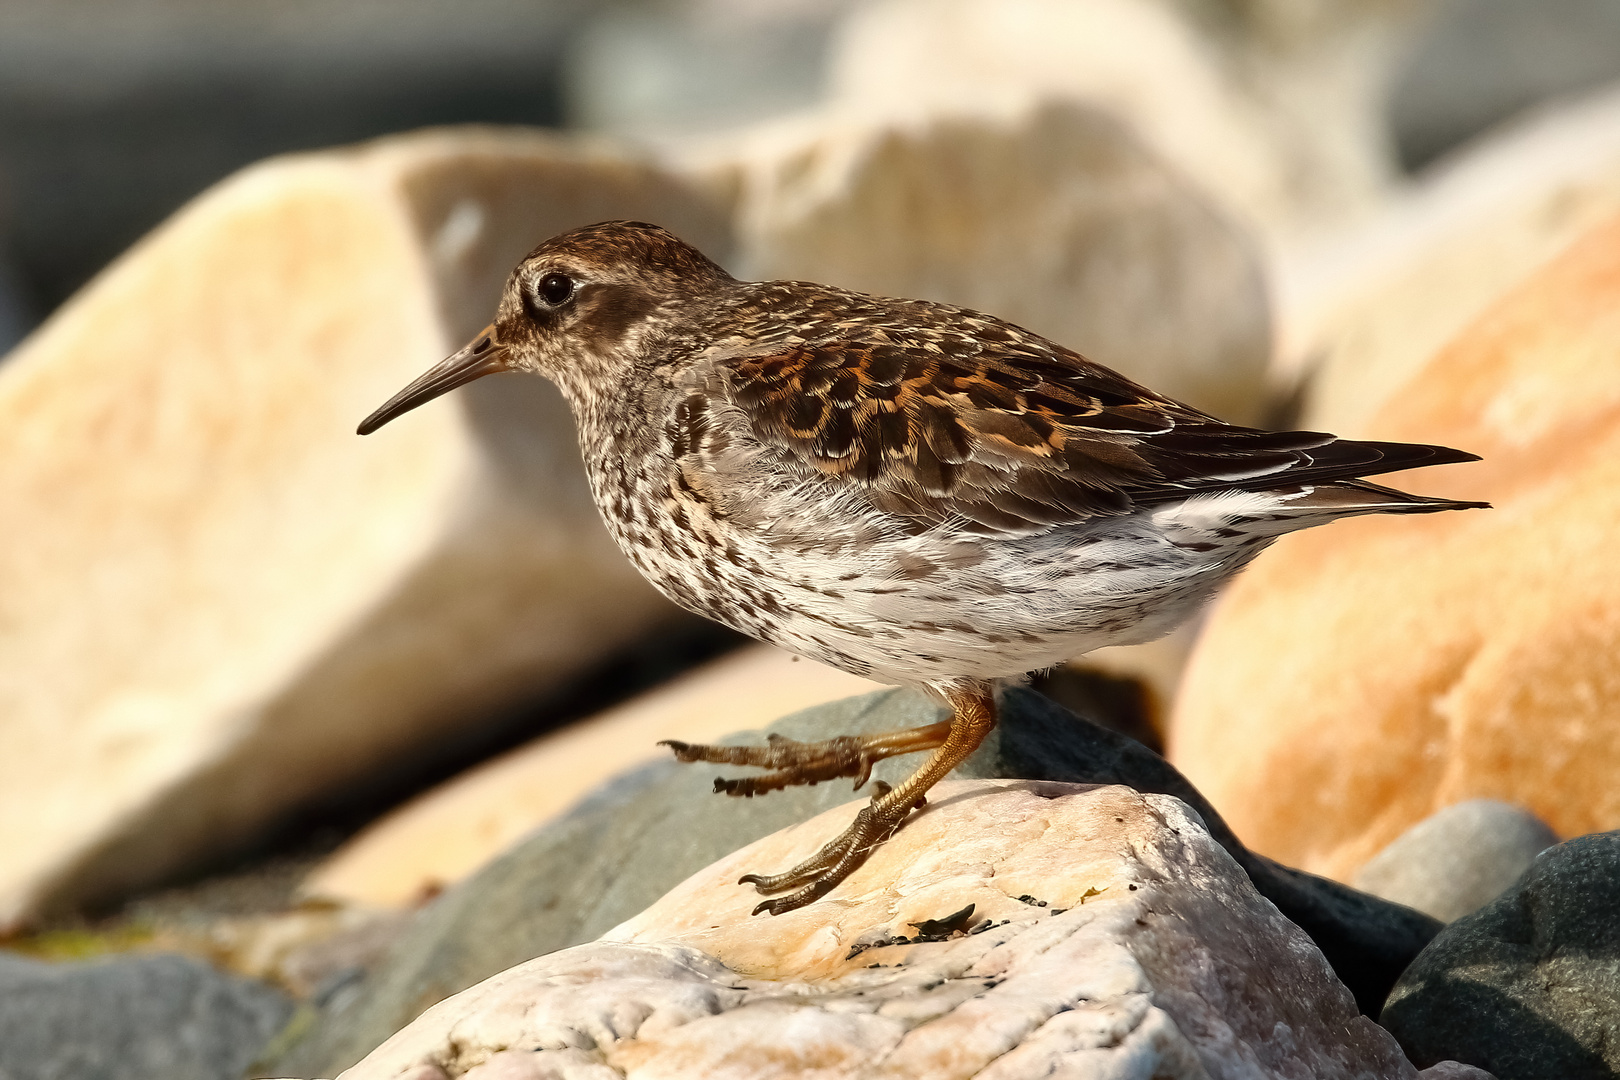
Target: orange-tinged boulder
1360, 677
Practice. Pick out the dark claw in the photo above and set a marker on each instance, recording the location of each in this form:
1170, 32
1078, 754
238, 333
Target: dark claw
683, 751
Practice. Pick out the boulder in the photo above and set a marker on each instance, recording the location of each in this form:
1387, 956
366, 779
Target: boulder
1048, 213
647, 831
216, 602
1013, 929
1457, 860
449, 832
1526, 986
1472, 65
131, 1018
1367, 313
1359, 678
1277, 110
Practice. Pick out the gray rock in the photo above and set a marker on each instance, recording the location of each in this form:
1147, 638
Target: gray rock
1459, 859
1528, 986
131, 1018
624, 848
1478, 62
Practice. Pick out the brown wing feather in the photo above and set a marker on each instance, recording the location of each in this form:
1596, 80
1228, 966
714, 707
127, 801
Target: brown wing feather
1018, 436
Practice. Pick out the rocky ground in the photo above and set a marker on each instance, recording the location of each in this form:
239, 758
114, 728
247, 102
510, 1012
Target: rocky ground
1357, 822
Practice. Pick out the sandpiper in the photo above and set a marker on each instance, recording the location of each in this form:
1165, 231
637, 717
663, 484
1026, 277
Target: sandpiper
913, 492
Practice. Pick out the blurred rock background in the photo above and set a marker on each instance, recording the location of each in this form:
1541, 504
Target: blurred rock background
233, 637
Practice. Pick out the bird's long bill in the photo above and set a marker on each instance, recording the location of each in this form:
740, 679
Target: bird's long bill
474, 360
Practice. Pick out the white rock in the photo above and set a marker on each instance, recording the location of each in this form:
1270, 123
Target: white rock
1276, 109
217, 602
447, 833
1109, 937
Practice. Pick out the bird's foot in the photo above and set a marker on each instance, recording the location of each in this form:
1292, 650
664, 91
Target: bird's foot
973, 714
792, 762
817, 875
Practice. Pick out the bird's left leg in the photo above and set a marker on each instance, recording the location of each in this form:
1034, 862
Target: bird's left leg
793, 762
973, 708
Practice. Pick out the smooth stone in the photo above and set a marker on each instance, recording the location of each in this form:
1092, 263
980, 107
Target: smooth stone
1278, 112
1013, 930
1458, 859
219, 605
1529, 985
1358, 678
132, 1018
641, 835
1472, 65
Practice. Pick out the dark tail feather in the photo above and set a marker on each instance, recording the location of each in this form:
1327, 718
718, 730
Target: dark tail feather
1350, 459
1335, 461
1401, 502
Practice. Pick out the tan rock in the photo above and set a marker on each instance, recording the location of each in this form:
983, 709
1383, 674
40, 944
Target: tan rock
1108, 936
1278, 110
1052, 215
442, 836
1359, 678
1370, 312
216, 602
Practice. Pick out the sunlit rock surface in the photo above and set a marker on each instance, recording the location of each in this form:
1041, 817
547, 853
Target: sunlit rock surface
1360, 677
1012, 929
216, 601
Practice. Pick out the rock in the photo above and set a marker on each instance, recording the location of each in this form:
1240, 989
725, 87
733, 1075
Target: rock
1477, 62
1373, 310
1277, 110
1012, 929
449, 832
1049, 214
1526, 986
17, 314
1357, 679
131, 1018
658, 72
216, 602
1457, 860
647, 831
1118, 703
1154, 666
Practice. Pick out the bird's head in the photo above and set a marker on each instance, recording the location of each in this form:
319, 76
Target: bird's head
571, 310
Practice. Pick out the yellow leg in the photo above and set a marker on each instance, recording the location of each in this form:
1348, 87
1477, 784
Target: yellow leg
974, 714
793, 762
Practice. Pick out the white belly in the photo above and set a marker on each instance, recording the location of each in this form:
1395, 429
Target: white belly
934, 607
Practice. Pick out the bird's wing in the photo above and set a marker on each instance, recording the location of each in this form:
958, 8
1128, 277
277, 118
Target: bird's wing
1015, 436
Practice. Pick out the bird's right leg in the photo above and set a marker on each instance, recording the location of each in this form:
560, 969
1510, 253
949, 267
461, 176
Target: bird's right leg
792, 762
974, 708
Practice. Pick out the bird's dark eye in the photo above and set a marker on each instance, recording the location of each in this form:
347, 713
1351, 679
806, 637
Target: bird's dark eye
555, 289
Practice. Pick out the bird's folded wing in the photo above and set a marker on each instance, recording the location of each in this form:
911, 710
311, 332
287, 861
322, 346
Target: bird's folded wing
1017, 436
